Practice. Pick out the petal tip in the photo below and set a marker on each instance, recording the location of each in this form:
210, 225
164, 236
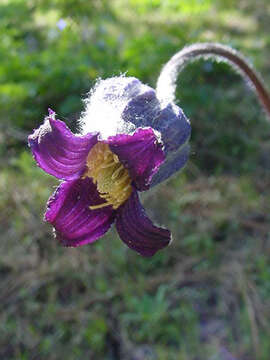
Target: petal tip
51, 112
137, 231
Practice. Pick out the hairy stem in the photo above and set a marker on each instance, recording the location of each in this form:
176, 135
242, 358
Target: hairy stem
166, 84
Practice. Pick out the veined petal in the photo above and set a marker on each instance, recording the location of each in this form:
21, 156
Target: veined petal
140, 153
137, 230
68, 211
58, 151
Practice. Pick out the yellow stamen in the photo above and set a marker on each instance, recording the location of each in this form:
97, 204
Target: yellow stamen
117, 172
122, 180
115, 158
94, 207
104, 166
112, 179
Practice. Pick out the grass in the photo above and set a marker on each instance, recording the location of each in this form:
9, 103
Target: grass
207, 295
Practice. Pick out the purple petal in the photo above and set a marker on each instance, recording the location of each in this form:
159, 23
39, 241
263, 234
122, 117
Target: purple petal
58, 151
68, 211
175, 161
142, 109
140, 153
137, 230
169, 120
174, 127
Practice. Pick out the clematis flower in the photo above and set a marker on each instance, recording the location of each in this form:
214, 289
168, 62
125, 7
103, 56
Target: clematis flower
129, 141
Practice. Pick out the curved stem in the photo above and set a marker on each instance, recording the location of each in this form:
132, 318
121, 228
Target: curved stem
166, 84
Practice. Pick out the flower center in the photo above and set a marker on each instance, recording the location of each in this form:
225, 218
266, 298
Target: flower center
109, 175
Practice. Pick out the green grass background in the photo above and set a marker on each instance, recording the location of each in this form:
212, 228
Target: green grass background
205, 297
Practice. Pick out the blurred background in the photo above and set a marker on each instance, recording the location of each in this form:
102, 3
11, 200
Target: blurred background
207, 295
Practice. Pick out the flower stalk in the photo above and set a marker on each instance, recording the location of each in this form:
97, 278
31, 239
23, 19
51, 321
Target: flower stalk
167, 81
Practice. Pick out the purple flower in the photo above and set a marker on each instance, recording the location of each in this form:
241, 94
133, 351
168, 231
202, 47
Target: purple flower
126, 146
61, 24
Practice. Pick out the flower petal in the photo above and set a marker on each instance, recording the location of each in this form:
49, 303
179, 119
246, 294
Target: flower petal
174, 127
140, 153
168, 119
142, 109
68, 211
175, 161
137, 230
170, 122
58, 151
